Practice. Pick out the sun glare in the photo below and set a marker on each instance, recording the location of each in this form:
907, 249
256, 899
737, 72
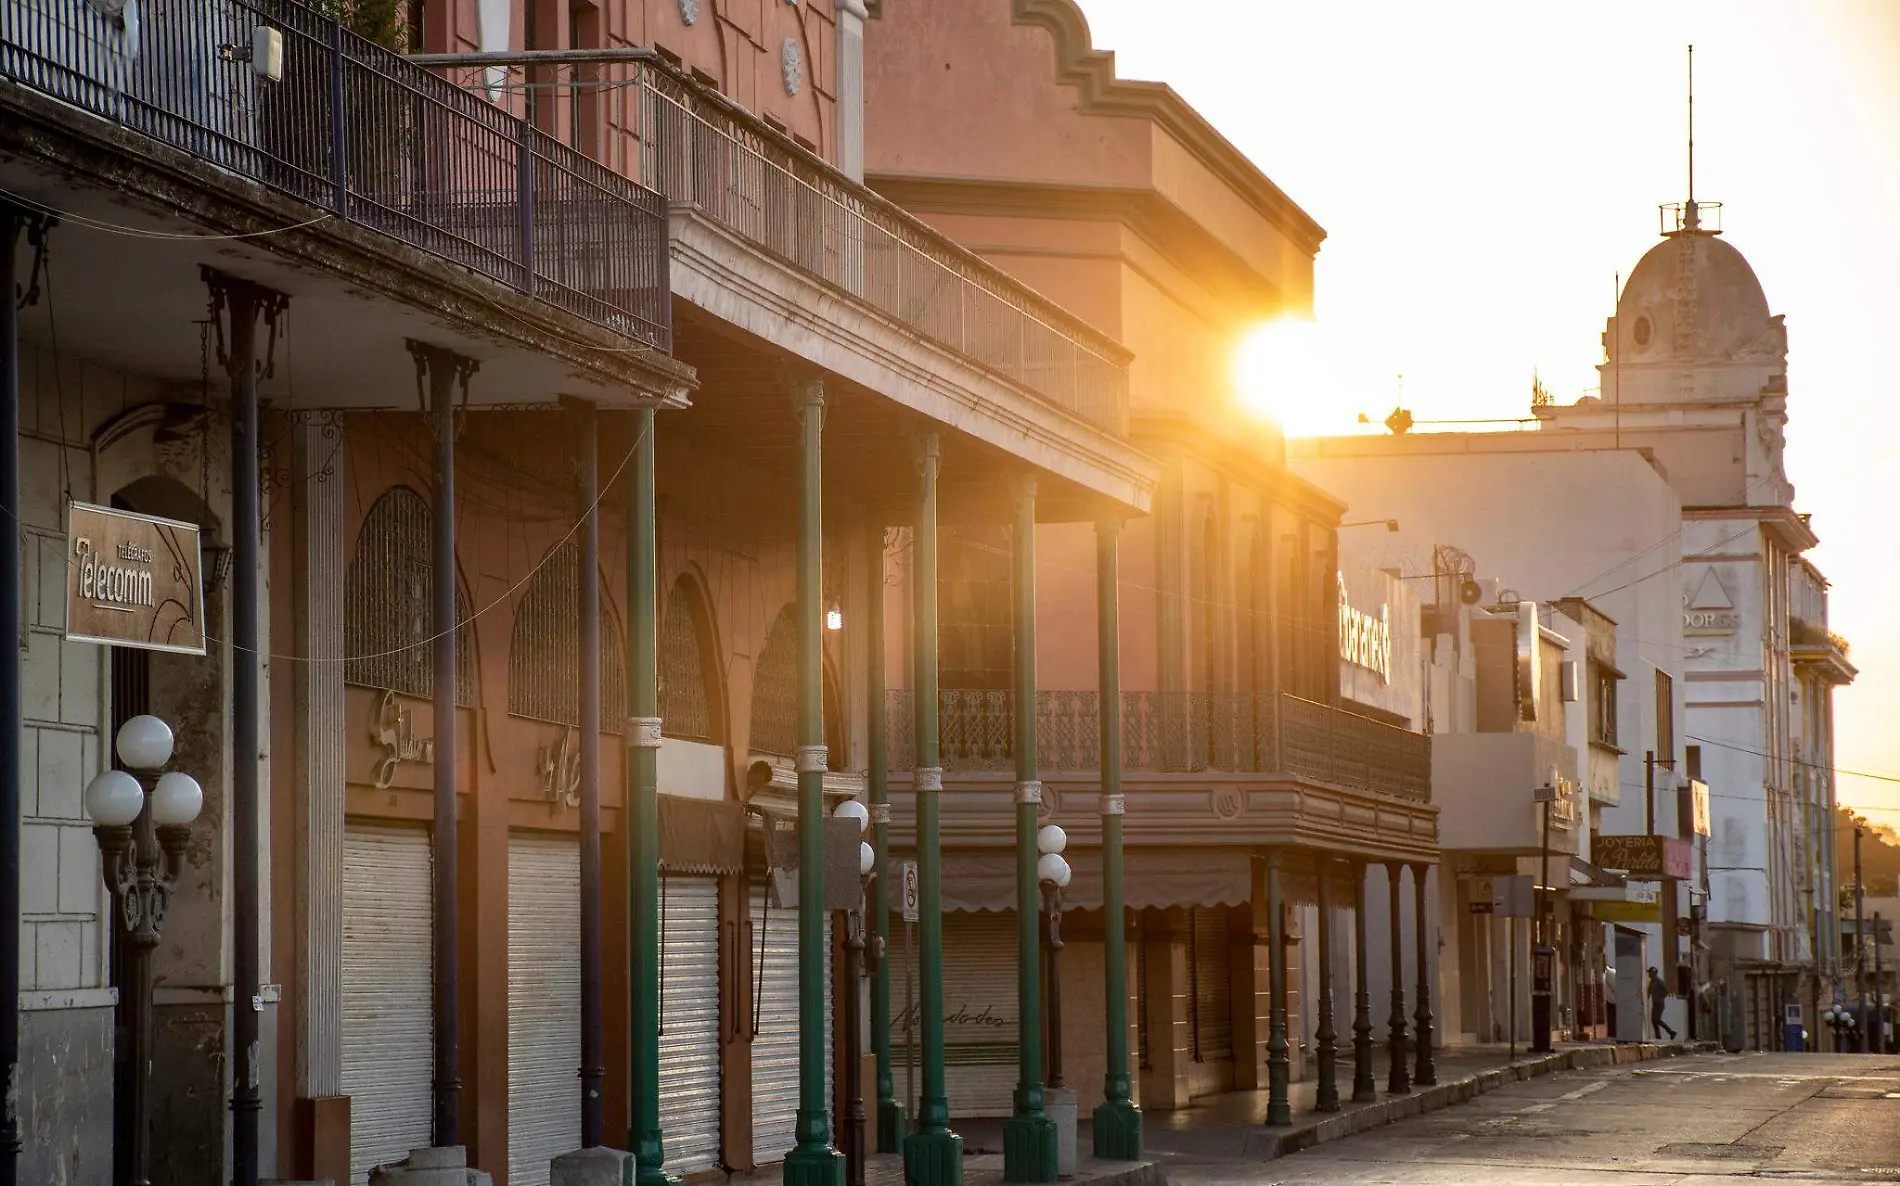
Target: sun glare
1280, 374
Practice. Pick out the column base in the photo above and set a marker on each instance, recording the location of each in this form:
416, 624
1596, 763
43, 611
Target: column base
933, 1157
1029, 1148
814, 1165
892, 1123
1117, 1128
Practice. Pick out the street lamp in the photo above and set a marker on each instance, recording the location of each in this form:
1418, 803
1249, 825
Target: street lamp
141, 819
853, 1120
1054, 874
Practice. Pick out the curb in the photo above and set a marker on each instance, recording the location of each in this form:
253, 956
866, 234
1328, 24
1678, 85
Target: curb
1444, 1095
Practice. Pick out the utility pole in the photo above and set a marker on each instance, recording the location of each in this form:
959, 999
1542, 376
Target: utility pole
1860, 940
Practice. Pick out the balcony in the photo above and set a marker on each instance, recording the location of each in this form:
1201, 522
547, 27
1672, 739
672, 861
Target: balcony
1176, 733
363, 136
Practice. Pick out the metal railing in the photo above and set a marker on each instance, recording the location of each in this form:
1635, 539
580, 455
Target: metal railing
1174, 733
366, 136
699, 148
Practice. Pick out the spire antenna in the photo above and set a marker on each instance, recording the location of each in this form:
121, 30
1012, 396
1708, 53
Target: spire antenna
1692, 132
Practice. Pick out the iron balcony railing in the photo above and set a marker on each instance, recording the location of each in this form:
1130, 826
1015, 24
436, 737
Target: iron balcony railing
643, 116
1175, 733
364, 135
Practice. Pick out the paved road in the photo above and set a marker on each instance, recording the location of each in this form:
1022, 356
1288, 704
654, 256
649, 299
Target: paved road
1713, 1120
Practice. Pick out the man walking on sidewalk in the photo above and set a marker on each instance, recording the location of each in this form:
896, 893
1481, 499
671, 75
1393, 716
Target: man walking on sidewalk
1658, 996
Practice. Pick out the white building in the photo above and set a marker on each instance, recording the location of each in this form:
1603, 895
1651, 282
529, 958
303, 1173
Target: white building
1666, 505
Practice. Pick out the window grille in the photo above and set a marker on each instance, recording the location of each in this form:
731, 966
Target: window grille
388, 600
686, 703
543, 669
775, 688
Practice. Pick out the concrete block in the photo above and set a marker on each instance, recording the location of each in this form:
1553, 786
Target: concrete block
62, 774
59, 960
446, 1166
39, 868
589, 1167
79, 878
1060, 1106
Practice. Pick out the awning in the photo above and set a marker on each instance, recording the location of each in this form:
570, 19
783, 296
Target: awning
985, 879
705, 836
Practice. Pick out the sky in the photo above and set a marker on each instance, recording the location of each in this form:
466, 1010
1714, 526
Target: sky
1484, 170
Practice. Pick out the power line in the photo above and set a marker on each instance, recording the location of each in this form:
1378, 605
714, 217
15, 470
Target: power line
1866, 774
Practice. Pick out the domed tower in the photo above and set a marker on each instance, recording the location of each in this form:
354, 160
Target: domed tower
1692, 342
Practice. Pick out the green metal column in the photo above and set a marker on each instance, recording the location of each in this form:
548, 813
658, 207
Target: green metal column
813, 1161
891, 1121
1117, 1126
643, 798
1029, 1136
1279, 1103
933, 1155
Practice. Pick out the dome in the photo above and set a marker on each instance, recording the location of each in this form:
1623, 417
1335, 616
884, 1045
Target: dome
1692, 296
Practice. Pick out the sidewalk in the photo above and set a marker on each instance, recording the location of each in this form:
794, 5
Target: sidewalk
1231, 1126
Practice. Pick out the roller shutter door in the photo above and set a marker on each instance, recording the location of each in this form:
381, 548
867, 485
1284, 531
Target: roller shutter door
980, 1016
775, 1046
544, 1004
689, 1030
1213, 985
388, 978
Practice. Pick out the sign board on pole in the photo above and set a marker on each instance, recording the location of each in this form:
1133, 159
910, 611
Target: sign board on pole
1699, 797
133, 581
911, 896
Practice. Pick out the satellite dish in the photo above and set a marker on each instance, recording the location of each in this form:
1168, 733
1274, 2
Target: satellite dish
1471, 593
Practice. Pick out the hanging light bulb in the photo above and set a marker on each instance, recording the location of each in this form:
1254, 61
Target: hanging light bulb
834, 616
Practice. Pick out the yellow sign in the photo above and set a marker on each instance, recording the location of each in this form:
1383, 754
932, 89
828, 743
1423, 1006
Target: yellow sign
133, 581
1627, 911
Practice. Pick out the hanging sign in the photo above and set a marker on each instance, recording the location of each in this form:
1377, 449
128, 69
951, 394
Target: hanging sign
133, 581
1645, 857
910, 897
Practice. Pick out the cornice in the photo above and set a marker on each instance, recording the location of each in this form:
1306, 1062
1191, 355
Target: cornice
1092, 72
1788, 526
1163, 433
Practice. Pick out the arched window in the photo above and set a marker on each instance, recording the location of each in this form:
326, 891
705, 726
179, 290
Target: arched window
543, 671
388, 604
775, 688
689, 700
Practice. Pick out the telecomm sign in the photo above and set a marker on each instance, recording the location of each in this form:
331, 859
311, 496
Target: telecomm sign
1365, 640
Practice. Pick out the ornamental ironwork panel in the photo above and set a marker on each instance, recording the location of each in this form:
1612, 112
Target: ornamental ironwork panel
388, 604
775, 688
544, 645
685, 702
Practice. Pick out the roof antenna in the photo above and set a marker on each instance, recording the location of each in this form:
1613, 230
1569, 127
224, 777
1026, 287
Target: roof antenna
1691, 220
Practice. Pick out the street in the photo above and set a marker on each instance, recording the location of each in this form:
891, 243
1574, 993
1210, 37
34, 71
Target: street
1704, 1120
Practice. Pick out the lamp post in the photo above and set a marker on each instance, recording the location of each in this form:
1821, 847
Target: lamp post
1052, 870
853, 1118
141, 820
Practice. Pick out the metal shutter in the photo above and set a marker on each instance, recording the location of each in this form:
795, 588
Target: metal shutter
979, 999
544, 1004
1213, 984
689, 1023
775, 1046
388, 978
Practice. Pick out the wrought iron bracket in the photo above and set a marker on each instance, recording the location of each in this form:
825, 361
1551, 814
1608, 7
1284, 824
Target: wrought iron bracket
39, 229
429, 360
228, 294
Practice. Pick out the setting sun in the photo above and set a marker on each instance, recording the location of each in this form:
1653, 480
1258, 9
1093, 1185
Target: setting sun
1281, 374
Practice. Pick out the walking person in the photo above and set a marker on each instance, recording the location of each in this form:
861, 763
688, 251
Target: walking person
1658, 996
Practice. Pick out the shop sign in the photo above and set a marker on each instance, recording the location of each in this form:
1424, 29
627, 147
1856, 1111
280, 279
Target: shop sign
1699, 800
1512, 896
1709, 610
1365, 640
133, 581
1642, 856
393, 731
911, 893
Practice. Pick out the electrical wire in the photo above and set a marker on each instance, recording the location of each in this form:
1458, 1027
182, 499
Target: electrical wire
142, 233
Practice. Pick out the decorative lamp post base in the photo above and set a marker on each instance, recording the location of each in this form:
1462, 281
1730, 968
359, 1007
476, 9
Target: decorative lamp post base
1117, 1130
649, 1171
813, 1165
892, 1123
933, 1157
1029, 1148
